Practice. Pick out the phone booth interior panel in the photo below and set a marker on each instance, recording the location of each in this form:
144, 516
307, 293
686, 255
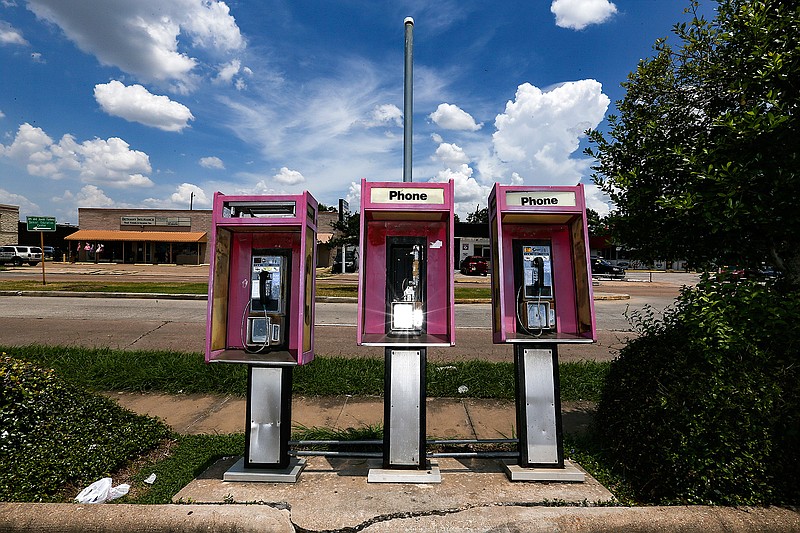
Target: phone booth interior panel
406, 264
541, 279
262, 279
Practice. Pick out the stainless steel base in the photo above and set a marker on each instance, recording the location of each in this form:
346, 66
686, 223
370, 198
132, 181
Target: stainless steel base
570, 473
401, 475
266, 475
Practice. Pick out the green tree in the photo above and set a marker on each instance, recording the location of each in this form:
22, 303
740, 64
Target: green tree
702, 159
479, 216
346, 230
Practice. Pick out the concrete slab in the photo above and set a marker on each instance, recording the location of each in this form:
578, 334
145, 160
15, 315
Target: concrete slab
226, 416
180, 412
340, 488
321, 411
447, 418
492, 419
360, 412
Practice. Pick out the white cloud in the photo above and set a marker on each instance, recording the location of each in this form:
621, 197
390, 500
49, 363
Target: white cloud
467, 192
146, 38
597, 199
451, 117
577, 14
385, 114
186, 195
227, 71
190, 194
539, 131
25, 206
212, 162
451, 154
88, 196
110, 162
10, 35
134, 103
288, 177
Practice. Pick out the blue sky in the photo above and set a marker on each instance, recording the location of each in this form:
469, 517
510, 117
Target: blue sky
120, 103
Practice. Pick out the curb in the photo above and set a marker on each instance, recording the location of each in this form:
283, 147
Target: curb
209, 518
162, 296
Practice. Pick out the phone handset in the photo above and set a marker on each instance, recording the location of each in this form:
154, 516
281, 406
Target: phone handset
538, 274
264, 278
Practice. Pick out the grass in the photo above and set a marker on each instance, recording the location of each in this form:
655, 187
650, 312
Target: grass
186, 457
102, 286
104, 369
144, 287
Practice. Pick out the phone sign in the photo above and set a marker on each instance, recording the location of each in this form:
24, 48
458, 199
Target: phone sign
541, 198
399, 195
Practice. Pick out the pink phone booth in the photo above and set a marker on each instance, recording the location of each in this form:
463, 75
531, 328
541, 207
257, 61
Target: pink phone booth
261, 313
406, 264
405, 304
541, 297
541, 274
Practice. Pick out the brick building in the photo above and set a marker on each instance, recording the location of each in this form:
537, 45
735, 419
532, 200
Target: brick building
9, 222
141, 236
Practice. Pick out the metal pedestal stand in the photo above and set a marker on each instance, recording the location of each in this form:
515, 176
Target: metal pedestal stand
268, 428
538, 401
404, 434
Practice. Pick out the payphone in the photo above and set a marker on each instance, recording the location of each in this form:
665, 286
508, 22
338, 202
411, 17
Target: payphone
541, 298
405, 285
261, 313
267, 307
405, 304
533, 277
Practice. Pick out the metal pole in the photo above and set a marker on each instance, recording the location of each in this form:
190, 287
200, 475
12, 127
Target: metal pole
408, 107
41, 240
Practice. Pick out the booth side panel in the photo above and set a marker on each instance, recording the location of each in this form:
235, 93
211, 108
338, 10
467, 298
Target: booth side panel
309, 290
439, 272
373, 305
219, 275
564, 281
239, 287
585, 291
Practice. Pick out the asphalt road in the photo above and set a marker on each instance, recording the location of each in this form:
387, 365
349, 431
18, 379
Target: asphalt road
146, 324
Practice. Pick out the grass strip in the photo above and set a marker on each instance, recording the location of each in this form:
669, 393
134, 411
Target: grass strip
102, 286
104, 369
144, 287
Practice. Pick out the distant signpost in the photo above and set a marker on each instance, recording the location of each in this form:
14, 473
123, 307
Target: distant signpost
41, 224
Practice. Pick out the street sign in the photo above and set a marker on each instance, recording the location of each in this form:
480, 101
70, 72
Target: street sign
41, 223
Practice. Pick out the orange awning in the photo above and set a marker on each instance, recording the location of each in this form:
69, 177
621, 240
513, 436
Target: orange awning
96, 235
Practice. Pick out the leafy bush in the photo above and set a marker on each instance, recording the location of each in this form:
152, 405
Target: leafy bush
53, 434
704, 407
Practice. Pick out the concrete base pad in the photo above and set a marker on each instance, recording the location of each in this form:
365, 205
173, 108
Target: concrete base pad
396, 475
333, 493
570, 473
266, 475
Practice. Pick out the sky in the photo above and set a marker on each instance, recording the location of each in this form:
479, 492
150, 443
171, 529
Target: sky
158, 104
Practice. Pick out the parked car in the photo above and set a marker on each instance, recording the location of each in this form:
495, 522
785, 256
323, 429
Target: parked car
51, 253
16, 255
602, 268
351, 262
7, 254
474, 265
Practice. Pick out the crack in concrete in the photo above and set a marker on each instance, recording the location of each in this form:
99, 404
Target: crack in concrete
438, 512
143, 335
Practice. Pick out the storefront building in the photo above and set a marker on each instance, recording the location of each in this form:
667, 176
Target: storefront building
9, 219
155, 236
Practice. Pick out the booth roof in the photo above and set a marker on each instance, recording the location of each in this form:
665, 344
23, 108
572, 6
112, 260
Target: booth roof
137, 236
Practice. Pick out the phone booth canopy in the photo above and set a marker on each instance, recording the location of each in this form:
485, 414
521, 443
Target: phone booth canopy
405, 292
541, 274
261, 282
